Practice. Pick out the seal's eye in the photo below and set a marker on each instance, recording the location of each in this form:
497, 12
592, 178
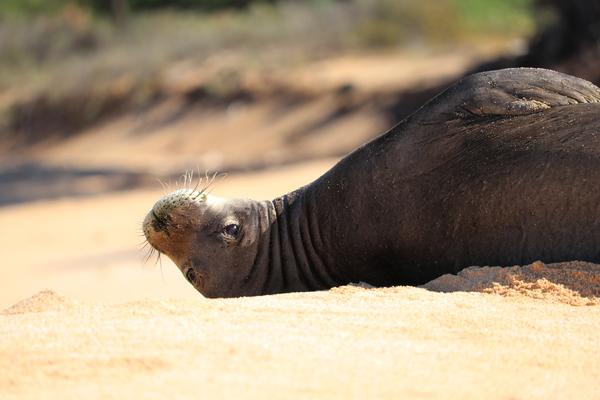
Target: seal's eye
232, 230
190, 275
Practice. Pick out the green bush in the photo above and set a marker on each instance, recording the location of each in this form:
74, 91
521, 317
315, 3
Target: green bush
29, 7
502, 16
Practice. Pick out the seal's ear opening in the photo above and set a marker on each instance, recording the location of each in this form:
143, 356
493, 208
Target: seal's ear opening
506, 92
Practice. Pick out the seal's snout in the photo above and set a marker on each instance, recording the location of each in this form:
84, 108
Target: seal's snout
160, 218
178, 198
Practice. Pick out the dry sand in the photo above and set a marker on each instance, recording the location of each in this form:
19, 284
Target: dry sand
348, 342
575, 283
120, 330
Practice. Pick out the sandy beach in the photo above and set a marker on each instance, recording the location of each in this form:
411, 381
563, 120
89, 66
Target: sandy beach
349, 342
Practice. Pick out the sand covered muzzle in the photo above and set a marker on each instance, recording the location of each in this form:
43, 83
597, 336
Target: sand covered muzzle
160, 217
172, 219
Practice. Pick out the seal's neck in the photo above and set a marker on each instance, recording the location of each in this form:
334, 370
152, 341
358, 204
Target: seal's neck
288, 257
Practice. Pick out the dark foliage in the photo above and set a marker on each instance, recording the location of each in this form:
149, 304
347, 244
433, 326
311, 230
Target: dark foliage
204, 5
571, 45
576, 30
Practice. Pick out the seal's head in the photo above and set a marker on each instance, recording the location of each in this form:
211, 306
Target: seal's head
213, 241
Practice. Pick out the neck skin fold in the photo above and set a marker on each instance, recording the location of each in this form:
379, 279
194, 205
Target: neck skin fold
288, 257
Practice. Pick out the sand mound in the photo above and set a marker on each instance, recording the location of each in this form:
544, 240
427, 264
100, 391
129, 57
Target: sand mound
574, 283
46, 300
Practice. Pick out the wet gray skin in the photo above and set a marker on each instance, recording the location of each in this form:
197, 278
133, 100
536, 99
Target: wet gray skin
503, 168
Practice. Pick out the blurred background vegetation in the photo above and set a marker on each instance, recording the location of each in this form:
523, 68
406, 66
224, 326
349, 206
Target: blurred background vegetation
58, 48
39, 33
70, 65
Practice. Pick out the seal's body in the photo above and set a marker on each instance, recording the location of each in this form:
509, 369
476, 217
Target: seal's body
501, 169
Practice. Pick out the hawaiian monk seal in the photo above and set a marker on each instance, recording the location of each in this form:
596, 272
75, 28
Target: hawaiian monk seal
502, 168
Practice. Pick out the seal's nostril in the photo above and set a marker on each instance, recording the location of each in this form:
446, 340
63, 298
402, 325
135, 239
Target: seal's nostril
158, 223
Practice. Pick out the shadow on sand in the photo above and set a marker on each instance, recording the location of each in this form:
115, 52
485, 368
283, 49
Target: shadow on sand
35, 181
